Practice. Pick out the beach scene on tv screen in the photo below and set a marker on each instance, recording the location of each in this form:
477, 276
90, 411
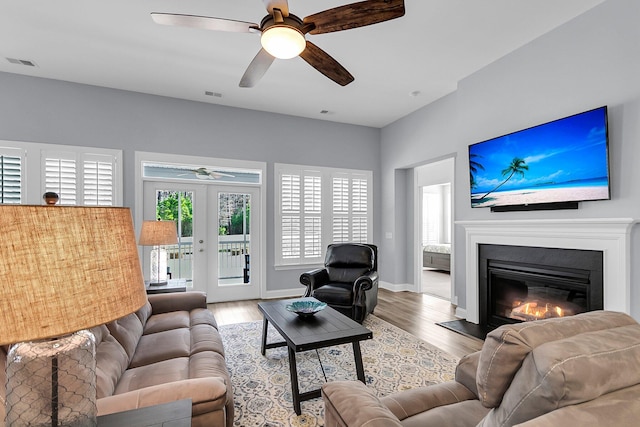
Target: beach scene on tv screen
560, 161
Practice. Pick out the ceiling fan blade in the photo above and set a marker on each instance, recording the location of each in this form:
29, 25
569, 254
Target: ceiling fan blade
323, 62
204, 22
283, 5
355, 15
256, 69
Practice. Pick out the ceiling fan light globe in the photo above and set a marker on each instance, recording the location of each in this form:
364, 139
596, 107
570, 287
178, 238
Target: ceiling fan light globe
283, 42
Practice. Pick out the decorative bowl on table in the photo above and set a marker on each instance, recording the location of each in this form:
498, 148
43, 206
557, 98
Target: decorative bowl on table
306, 308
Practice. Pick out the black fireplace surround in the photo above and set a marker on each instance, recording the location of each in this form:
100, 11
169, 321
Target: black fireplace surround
518, 283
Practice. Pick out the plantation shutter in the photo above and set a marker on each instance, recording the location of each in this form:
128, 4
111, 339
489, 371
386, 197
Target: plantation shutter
301, 217
60, 176
360, 210
290, 215
10, 177
98, 180
318, 206
312, 217
350, 219
340, 201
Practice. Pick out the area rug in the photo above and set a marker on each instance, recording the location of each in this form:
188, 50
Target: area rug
393, 360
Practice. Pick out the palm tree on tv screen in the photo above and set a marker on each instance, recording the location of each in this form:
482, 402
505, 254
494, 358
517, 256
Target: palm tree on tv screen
474, 166
517, 166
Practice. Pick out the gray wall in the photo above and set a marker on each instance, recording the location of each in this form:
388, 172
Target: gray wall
591, 61
50, 111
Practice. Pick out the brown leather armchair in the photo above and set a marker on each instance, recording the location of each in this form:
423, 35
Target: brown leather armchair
349, 280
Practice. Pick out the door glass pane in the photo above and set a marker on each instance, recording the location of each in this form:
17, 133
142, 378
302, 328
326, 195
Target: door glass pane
233, 238
177, 206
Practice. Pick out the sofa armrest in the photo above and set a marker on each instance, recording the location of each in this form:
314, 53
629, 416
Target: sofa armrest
177, 301
352, 404
314, 278
364, 283
407, 403
206, 394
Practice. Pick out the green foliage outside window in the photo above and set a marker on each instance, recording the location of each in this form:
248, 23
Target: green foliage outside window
167, 209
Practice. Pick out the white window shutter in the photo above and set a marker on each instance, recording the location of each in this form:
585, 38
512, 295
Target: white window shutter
290, 216
60, 176
10, 179
312, 217
350, 208
318, 206
98, 180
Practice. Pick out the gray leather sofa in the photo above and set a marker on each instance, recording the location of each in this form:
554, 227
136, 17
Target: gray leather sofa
579, 370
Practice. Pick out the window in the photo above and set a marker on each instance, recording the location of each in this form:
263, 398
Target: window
436, 214
79, 175
319, 206
60, 176
80, 178
10, 175
350, 208
98, 177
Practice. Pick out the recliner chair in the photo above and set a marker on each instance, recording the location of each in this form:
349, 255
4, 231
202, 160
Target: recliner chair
349, 280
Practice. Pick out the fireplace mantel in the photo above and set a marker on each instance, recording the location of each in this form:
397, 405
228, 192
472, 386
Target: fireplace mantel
609, 235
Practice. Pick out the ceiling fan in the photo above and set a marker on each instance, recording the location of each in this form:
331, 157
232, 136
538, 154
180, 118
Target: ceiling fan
204, 173
283, 34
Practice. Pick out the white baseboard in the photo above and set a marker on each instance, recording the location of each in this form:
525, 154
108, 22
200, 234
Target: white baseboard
396, 287
284, 293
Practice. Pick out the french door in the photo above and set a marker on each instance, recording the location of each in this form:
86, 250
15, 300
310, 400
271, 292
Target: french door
218, 247
234, 242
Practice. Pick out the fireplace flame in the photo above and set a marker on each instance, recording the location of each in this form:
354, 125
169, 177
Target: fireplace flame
534, 311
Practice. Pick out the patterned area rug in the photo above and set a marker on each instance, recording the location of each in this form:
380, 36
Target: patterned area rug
393, 360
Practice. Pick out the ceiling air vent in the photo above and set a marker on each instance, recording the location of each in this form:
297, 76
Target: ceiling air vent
22, 62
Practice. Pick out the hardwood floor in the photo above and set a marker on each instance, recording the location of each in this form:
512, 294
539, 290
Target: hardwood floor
412, 312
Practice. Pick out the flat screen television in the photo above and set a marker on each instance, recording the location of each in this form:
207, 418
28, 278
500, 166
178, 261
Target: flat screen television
562, 161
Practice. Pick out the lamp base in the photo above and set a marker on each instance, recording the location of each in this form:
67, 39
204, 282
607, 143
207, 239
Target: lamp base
52, 382
158, 269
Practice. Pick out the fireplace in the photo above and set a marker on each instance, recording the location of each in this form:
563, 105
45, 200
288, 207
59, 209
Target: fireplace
522, 283
611, 236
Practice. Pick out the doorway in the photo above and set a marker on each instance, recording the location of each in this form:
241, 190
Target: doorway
434, 228
219, 217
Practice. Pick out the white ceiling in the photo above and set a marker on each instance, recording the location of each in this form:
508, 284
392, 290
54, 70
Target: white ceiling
425, 53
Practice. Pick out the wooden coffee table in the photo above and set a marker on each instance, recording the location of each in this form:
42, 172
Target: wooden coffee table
326, 328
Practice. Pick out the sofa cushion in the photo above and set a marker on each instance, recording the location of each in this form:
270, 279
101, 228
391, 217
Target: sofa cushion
202, 316
111, 361
167, 321
144, 313
618, 408
161, 346
335, 293
506, 347
205, 338
127, 331
163, 372
569, 372
345, 263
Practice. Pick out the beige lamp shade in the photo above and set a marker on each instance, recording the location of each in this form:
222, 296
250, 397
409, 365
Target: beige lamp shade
154, 233
63, 269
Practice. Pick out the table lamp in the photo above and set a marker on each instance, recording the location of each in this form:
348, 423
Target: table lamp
156, 234
63, 270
